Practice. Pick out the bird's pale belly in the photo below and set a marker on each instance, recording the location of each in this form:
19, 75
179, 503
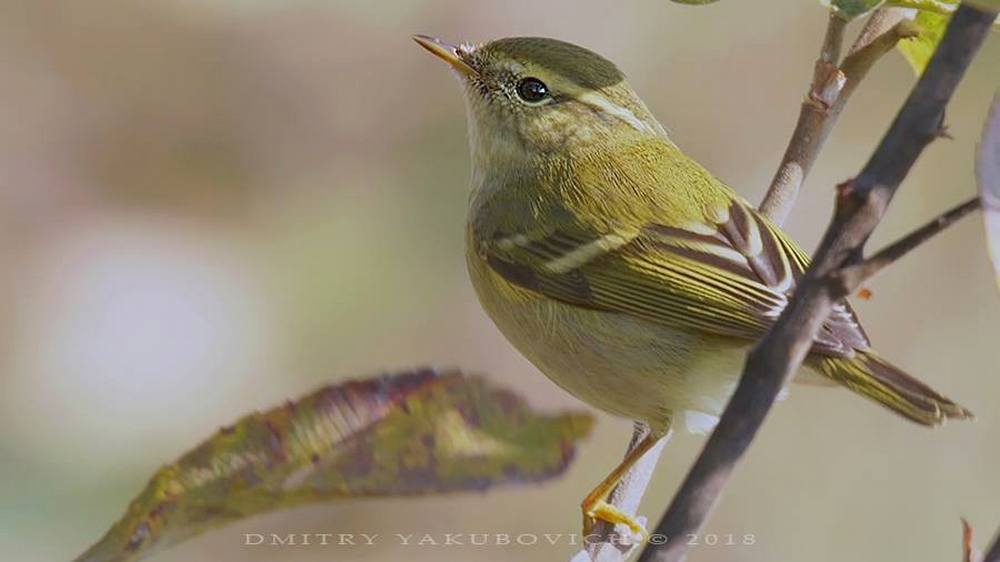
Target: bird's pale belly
617, 363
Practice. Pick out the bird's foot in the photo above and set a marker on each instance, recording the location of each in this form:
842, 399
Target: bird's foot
601, 510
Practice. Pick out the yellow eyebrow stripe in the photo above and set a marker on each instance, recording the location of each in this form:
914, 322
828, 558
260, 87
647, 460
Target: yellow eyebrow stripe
604, 105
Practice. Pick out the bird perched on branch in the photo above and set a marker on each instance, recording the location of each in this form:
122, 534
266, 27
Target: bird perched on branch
619, 266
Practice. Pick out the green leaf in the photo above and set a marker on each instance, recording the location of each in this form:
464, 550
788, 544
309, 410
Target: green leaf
931, 18
411, 433
695, 2
943, 6
988, 176
851, 9
918, 50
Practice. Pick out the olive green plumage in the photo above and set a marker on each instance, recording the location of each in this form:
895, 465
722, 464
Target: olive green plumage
619, 266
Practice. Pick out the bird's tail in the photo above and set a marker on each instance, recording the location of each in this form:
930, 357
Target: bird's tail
868, 374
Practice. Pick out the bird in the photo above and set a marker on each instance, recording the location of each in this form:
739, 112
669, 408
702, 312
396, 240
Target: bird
620, 267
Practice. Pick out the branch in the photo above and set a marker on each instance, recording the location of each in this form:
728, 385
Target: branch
993, 554
861, 204
882, 20
831, 87
854, 275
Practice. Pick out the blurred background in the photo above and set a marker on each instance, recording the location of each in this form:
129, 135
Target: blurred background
208, 206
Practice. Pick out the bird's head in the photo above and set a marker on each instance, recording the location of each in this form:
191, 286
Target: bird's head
532, 96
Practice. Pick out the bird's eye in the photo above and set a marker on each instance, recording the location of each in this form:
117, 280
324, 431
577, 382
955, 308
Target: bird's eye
532, 90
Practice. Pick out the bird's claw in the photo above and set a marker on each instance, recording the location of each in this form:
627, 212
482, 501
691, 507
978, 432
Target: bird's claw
601, 510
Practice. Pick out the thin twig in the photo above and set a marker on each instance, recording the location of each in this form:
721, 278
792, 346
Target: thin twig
854, 275
831, 87
861, 204
881, 20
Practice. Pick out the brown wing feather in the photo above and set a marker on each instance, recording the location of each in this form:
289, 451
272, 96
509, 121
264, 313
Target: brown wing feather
768, 258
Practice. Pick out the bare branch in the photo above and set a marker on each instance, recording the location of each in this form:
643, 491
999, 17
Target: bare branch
805, 142
861, 204
831, 87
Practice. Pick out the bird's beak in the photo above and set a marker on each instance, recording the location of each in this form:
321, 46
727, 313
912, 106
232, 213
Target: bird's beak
450, 54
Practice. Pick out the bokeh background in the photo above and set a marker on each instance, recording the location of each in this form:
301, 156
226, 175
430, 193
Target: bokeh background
207, 206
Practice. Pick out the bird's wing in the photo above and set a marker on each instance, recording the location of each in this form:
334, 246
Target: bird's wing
733, 279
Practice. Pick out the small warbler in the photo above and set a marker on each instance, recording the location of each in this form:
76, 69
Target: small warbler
619, 266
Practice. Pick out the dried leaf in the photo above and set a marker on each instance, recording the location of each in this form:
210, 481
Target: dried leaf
411, 433
988, 176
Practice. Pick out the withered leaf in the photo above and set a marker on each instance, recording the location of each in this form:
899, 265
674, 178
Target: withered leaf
419, 432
